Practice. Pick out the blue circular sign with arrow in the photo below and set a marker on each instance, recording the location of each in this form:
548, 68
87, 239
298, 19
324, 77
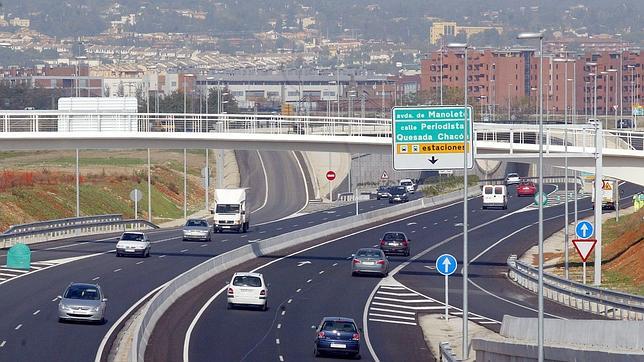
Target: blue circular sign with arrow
446, 264
584, 230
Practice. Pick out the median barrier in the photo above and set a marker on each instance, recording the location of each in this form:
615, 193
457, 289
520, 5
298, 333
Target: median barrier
190, 279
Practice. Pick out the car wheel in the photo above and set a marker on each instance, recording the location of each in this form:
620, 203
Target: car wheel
265, 306
378, 197
61, 320
147, 254
316, 352
229, 306
353, 274
357, 356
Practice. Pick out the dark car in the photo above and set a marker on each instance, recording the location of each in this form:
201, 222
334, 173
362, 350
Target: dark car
398, 194
394, 242
337, 335
382, 192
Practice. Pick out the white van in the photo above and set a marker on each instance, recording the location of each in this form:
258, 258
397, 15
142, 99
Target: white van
495, 196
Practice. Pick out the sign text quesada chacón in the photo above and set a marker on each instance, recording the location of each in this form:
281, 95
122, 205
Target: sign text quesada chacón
429, 137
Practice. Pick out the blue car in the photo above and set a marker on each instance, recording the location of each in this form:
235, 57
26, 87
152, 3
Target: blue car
337, 335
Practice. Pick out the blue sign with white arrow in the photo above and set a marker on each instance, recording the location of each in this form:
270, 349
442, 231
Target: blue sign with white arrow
446, 264
584, 230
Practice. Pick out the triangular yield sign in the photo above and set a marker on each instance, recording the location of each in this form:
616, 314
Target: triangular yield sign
384, 176
584, 247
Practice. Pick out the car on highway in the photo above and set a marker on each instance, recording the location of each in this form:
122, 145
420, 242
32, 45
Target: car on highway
133, 243
398, 194
512, 179
495, 196
197, 229
382, 192
247, 289
369, 261
82, 302
409, 185
395, 242
526, 188
337, 335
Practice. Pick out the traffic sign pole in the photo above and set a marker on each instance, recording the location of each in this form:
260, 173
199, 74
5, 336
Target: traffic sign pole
446, 264
446, 299
584, 271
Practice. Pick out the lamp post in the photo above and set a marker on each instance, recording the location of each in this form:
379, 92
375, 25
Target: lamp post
540, 167
632, 68
615, 104
465, 343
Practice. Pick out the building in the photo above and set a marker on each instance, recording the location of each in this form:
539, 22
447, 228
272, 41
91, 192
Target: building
440, 29
71, 80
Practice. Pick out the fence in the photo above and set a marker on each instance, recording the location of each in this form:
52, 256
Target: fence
446, 354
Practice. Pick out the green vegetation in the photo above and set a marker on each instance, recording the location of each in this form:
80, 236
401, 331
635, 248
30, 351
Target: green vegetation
618, 280
447, 184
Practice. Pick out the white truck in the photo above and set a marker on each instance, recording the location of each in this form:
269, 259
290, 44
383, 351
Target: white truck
230, 211
608, 194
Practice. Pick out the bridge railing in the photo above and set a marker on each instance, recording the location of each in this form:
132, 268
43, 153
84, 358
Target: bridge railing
446, 353
608, 303
581, 136
72, 227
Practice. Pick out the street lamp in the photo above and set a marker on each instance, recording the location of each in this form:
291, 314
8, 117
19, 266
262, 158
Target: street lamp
540, 201
605, 78
464, 46
615, 105
632, 68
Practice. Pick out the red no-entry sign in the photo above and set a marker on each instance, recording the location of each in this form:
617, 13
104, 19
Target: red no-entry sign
330, 175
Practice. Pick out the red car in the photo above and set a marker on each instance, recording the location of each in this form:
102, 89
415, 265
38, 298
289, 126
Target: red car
526, 188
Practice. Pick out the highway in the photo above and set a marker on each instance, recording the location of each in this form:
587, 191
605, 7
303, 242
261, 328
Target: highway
199, 327
29, 330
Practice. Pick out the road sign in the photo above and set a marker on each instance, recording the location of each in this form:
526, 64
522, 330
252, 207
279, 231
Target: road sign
330, 175
446, 264
445, 172
584, 229
384, 176
430, 138
540, 196
607, 185
584, 247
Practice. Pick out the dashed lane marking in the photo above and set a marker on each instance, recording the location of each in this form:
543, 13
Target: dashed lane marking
139, 262
18, 327
36, 312
277, 341
279, 325
96, 278
3, 343
118, 270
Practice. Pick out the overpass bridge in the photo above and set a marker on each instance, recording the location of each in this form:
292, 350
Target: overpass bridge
623, 151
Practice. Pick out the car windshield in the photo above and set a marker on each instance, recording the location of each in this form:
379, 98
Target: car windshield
383, 189
227, 209
82, 292
340, 326
197, 223
132, 237
368, 253
513, 175
406, 183
247, 281
394, 237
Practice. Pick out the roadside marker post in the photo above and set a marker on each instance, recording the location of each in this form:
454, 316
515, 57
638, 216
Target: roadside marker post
446, 264
584, 248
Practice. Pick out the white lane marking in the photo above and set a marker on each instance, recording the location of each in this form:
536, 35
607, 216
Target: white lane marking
277, 341
398, 294
391, 287
254, 240
299, 290
392, 316
261, 162
139, 262
424, 227
244, 236
203, 245
20, 271
289, 301
412, 223
117, 270
3, 343
262, 232
310, 222
413, 231
326, 218
296, 225
96, 278
224, 240
32, 267
186, 341
433, 307
55, 299
36, 312
2, 279
334, 264
43, 263
489, 322
310, 280
445, 220
184, 250
403, 300
279, 229
321, 272
101, 347
392, 311
18, 327
281, 358
279, 325
392, 322
8, 275
301, 263
161, 256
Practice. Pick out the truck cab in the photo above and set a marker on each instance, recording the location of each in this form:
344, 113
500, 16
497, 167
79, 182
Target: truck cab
230, 211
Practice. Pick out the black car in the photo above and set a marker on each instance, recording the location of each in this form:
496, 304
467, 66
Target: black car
398, 194
382, 192
395, 242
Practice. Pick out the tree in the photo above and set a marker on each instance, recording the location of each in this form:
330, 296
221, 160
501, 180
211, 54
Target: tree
229, 104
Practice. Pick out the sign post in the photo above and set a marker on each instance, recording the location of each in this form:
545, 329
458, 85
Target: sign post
330, 175
446, 265
431, 138
136, 195
584, 248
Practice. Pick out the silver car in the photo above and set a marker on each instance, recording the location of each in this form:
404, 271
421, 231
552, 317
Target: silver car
370, 261
197, 229
82, 302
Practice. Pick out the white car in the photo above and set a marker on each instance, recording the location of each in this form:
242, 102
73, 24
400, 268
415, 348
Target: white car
409, 185
248, 289
133, 243
512, 179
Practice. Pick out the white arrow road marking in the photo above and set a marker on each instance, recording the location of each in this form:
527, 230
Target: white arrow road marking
303, 263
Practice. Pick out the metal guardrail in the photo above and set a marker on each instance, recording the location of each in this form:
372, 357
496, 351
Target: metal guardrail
190, 279
72, 221
72, 230
608, 303
446, 354
581, 136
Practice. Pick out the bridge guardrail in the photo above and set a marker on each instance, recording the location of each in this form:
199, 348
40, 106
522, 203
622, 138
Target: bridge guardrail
65, 231
446, 354
608, 303
190, 279
72, 221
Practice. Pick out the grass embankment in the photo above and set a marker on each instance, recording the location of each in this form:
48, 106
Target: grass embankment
622, 255
41, 185
446, 184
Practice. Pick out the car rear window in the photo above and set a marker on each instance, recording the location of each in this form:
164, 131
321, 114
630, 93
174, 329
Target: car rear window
340, 326
197, 223
498, 190
247, 281
132, 237
368, 254
487, 190
394, 237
